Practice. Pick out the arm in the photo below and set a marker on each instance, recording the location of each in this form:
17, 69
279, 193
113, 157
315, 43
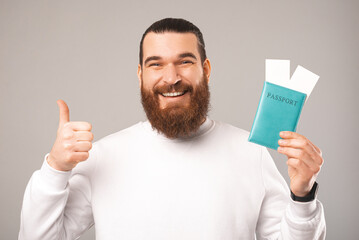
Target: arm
56, 205
280, 216
57, 199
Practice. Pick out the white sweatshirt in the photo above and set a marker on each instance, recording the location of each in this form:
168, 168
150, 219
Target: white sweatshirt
137, 184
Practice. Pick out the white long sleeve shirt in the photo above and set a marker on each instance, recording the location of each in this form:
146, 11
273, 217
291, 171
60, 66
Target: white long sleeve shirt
137, 184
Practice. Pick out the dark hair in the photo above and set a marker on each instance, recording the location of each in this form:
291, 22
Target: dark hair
177, 25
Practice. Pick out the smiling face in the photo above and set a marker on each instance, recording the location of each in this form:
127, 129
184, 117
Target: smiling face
174, 83
170, 60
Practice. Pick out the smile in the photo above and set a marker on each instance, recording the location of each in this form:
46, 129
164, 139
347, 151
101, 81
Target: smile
173, 94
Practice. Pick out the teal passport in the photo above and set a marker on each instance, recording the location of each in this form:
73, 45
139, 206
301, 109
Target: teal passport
278, 110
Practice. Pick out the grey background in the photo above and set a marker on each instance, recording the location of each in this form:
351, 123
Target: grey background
86, 52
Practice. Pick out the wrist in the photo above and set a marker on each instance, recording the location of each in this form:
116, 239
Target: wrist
52, 163
52, 178
311, 195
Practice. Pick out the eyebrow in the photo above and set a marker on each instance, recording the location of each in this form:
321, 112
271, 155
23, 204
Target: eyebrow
187, 54
152, 58
182, 55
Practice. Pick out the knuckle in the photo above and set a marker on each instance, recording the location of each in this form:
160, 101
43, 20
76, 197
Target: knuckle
284, 150
301, 154
68, 134
85, 156
301, 136
316, 169
67, 146
72, 158
77, 161
301, 143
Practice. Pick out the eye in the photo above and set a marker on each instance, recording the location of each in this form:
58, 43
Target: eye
154, 65
186, 62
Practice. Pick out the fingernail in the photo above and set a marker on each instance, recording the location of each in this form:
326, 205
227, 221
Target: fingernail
281, 141
282, 134
279, 149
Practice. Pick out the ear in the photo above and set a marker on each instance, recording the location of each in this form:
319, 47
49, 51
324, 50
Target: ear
139, 73
207, 68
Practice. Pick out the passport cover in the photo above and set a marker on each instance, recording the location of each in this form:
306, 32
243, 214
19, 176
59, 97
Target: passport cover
278, 110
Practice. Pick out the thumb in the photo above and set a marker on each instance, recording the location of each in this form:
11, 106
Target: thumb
64, 112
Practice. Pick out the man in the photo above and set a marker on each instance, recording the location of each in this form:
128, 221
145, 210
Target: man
178, 176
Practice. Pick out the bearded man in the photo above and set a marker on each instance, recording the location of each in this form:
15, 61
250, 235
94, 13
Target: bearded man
180, 175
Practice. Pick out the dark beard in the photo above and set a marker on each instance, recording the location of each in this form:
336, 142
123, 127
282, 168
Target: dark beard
177, 121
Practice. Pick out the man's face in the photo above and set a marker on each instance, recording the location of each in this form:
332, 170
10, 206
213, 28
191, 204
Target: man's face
174, 82
169, 59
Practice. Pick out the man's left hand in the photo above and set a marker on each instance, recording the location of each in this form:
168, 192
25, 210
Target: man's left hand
304, 161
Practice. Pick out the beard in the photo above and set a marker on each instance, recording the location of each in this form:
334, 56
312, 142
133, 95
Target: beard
177, 120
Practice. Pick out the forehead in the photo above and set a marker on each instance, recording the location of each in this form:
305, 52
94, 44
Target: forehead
169, 44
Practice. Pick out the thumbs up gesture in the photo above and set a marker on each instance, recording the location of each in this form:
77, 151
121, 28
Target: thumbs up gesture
73, 141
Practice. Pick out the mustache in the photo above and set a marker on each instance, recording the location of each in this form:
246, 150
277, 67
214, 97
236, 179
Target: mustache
177, 87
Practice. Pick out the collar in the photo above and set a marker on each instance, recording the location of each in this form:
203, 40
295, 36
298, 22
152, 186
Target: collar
206, 126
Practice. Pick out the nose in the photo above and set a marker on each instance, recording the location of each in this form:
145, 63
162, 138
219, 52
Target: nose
170, 75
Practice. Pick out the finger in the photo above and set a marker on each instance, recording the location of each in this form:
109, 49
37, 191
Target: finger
83, 136
298, 143
79, 156
305, 144
289, 134
79, 126
315, 147
301, 168
64, 114
301, 155
83, 146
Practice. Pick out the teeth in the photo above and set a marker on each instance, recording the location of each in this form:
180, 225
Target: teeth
174, 94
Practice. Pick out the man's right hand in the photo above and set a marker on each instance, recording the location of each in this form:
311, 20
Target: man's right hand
73, 141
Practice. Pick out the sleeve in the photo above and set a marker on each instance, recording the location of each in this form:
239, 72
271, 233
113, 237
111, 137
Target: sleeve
57, 204
280, 216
